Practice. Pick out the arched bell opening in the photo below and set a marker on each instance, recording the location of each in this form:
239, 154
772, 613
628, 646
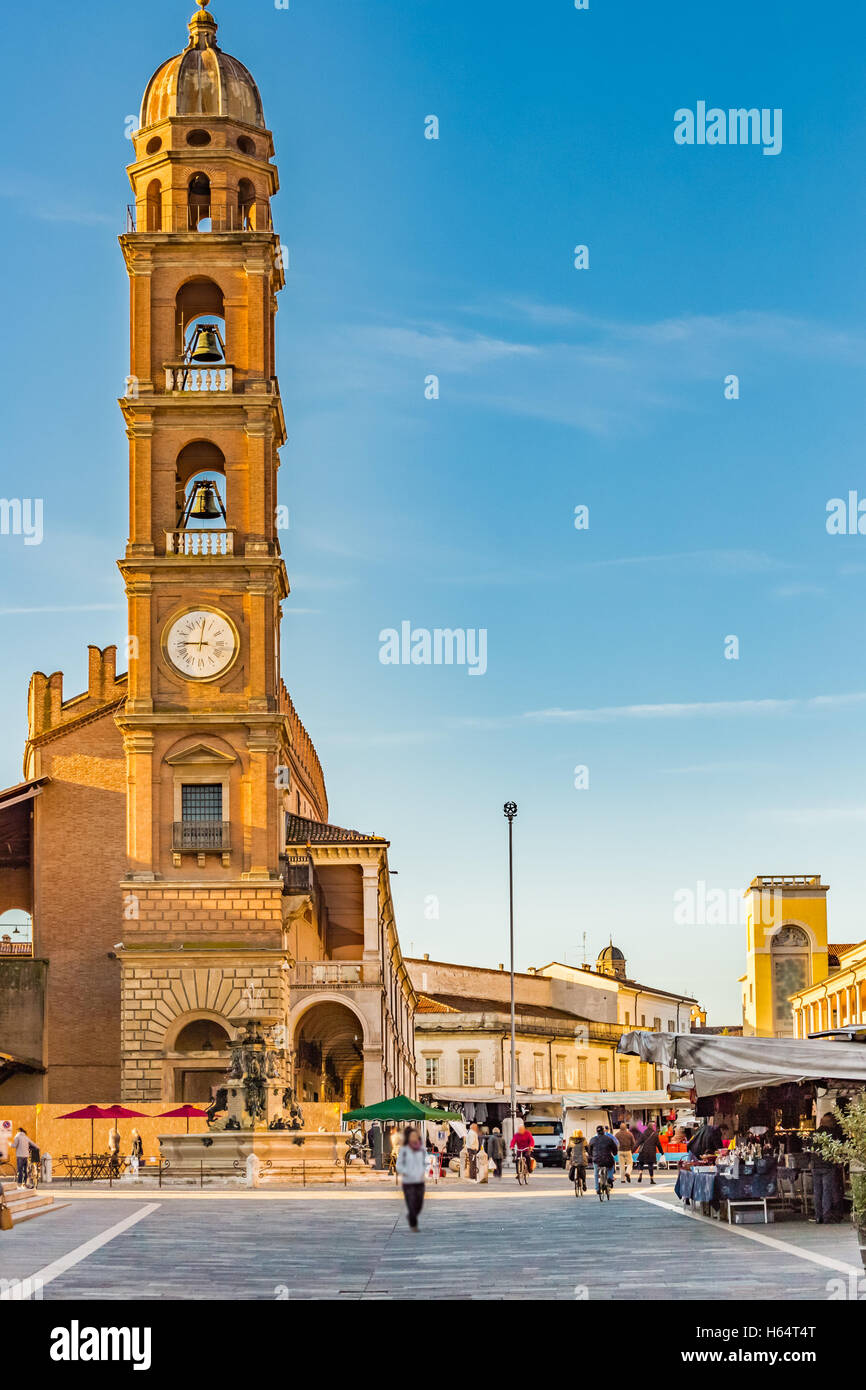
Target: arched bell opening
201, 499
246, 204
153, 204
199, 203
199, 305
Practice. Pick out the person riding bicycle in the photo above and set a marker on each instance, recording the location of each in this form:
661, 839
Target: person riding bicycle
602, 1154
576, 1155
524, 1143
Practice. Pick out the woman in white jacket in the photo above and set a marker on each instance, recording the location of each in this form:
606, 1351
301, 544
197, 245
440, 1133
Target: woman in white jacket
412, 1168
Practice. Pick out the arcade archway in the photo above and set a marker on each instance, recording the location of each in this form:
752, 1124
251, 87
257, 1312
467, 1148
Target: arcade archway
329, 1055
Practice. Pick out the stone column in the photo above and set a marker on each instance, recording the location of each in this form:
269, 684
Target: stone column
370, 874
374, 1088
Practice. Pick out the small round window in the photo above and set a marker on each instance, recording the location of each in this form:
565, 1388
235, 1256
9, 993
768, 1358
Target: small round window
198, 137
153, 145
246, 145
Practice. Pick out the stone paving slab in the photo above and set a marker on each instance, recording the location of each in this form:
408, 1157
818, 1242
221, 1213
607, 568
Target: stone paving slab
474, 1245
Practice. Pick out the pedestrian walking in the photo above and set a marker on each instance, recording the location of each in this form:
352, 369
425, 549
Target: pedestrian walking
496, 1151
473, 1144
826, 1179
650, 1145
625, 1141
21, 1149
412, 1168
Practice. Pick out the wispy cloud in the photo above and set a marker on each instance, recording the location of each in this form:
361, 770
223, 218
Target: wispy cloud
692, 709
548, 361
65, 608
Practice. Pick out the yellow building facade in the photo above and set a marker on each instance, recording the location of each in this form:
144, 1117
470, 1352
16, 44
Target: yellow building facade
796, 981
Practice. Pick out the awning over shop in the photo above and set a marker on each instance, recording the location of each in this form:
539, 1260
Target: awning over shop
398, 1108
614, 1100
465, 1095
721, 1062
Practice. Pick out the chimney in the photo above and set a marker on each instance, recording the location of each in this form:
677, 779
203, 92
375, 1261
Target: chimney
426, 955
101, 671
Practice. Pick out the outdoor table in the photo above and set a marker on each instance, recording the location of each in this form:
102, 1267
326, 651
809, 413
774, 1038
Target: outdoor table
696, 1185
93, 1167
712, 1188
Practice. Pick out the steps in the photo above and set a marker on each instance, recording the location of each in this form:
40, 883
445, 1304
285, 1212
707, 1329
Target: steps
24, 1205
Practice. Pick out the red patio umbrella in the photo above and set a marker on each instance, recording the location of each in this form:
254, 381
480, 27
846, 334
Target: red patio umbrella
96, 1112
183, 1112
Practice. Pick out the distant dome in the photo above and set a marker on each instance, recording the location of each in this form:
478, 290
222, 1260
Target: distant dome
611, 961
202, 81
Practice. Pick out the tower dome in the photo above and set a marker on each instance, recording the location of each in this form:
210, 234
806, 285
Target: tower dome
202, 81
611, 961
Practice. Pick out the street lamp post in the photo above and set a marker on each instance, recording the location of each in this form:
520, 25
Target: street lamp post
510, 810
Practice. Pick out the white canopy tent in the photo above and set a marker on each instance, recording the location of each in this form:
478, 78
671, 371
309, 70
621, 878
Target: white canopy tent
720, 1062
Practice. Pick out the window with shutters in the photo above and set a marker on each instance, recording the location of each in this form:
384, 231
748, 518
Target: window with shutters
581, 1073
602, 1074
623, 1076
469, 1071
431, 1071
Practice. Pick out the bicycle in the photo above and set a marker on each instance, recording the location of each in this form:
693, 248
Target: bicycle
521, 1168
604, 1184
579, 1180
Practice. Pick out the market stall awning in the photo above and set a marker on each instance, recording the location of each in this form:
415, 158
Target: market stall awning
399, 1108
723, 1062
607, 1100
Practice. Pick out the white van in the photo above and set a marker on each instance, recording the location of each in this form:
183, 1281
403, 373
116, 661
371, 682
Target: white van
547, 1132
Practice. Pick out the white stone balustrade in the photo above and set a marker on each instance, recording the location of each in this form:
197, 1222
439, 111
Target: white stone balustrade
199, 542
183, 377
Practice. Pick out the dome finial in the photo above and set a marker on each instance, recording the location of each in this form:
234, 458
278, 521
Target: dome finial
202, 26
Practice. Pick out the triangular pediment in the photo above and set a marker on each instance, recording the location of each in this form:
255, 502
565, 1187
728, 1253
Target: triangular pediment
201, 754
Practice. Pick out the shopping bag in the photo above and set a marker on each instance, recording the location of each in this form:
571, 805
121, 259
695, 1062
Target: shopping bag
5, 1218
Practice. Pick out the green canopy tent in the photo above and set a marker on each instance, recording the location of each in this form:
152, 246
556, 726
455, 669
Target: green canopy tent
400, 1108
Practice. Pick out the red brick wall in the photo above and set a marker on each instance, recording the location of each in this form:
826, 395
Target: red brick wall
80, 858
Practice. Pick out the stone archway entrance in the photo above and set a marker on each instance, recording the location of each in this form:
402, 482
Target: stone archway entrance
329, 1055
202, 1047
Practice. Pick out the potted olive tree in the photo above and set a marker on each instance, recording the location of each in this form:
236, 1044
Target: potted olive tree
851, 1150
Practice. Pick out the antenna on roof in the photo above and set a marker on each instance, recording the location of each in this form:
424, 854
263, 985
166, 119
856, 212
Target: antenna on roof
583, 938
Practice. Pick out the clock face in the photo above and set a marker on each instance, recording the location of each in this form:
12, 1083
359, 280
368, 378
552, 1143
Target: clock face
201, 644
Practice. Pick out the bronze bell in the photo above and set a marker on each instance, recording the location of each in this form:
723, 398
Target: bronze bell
207, 345
205, 507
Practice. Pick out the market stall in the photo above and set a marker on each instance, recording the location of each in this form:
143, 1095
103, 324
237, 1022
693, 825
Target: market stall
762, 1099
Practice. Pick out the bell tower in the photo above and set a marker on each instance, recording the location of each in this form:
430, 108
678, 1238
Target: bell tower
215, 754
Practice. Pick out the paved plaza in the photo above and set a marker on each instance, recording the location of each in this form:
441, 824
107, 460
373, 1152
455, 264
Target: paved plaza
496, 1242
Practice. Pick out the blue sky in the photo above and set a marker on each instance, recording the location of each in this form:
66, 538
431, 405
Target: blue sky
557, 388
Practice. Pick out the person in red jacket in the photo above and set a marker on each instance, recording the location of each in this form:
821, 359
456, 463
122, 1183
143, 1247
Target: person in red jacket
524, 1143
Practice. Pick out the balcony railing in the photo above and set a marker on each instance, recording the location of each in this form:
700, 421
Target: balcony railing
199, 542
180, 217
200, 836
16, 948
336, 974
182, 377
297, 874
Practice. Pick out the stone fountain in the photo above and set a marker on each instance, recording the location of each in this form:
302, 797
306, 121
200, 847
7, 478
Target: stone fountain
256, 1128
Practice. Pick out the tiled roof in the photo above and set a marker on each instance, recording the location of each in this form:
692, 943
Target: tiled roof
474, 1004
840, 950
426, 1005
300, 831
